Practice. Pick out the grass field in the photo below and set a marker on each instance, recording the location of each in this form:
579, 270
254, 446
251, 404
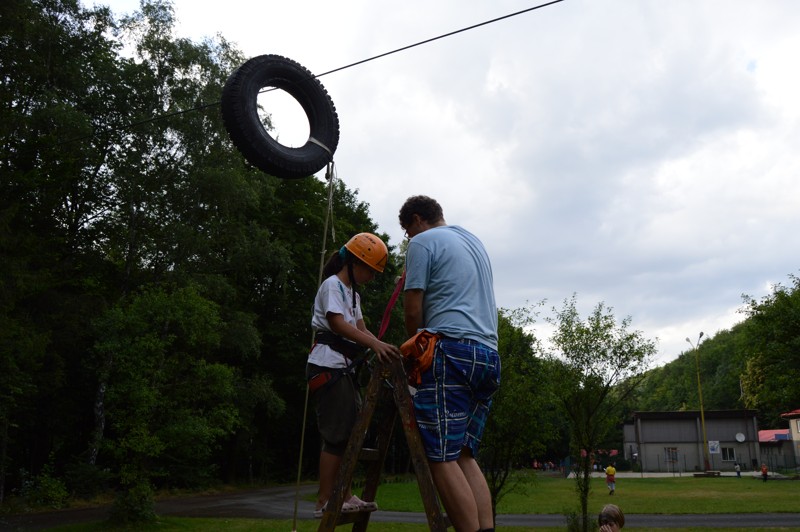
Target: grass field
680, 495
675, 495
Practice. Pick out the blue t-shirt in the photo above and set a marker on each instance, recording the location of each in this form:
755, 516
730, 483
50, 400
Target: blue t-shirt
451, 266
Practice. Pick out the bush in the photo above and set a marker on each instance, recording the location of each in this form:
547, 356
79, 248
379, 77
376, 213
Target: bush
43, 490
134, 505
575, 522
86, 480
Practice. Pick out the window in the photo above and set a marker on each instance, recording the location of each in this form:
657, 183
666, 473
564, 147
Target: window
728, 454
670, 454
798, 425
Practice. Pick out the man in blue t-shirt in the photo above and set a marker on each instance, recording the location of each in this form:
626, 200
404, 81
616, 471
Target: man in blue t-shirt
449, 290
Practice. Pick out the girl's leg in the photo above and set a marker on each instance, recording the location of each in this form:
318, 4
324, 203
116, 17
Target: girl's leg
328, 470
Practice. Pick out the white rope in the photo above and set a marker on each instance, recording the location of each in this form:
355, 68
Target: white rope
331, 177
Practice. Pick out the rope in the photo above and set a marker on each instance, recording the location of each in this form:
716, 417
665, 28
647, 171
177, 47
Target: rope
331, 177
387, 314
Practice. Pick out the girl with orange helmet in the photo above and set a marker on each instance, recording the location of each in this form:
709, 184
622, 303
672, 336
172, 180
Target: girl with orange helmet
341, 338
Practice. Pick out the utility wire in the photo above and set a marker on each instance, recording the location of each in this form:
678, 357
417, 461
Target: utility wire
426, 41
402, 49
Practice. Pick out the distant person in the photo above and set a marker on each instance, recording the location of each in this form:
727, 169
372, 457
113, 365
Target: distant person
611, 478
764, 472
611, 518
738, 470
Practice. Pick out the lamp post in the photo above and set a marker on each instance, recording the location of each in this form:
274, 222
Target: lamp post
700, 394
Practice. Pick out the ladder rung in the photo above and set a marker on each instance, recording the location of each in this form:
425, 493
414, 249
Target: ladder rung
369, 455
396, 395
351, 517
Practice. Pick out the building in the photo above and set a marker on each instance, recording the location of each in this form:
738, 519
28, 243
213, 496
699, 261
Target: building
777, 450
793, 418
673, 441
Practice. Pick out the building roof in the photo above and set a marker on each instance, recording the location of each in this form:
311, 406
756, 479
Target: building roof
767, 436
791, 415
692, 414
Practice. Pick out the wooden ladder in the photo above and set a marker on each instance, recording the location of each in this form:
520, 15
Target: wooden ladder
387, 380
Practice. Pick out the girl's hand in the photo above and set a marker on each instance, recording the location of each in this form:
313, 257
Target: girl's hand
386, 352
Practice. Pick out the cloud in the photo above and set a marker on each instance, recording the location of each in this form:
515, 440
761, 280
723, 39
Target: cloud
642, 153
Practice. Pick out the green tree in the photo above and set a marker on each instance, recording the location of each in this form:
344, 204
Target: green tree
120, 184
601, 362
749, 365
521, 420
773, 344
56, 67
168, 402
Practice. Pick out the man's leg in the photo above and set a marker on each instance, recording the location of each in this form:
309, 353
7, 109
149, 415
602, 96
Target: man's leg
480, 489
456, 495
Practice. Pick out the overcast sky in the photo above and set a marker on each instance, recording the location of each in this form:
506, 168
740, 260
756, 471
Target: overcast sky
642, 153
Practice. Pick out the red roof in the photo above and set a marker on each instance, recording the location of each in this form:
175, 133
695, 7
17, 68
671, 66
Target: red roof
791, 415
766, 436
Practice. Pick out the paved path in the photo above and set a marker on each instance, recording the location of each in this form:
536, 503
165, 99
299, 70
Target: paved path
278, 503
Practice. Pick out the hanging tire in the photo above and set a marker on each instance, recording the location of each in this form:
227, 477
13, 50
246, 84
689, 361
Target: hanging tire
240, 116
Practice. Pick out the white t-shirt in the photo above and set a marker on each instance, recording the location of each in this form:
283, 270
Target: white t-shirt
332, 296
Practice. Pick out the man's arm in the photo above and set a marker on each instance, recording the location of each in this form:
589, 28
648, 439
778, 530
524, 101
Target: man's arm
412, 304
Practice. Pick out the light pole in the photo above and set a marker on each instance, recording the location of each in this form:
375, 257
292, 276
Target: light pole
700, 394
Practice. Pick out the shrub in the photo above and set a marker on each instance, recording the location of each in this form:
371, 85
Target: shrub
134, 505
86, 480
43, 490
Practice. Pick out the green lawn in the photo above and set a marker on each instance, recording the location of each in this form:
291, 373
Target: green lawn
677, 495
545, 495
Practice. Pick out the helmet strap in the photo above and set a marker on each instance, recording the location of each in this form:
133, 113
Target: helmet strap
352, 281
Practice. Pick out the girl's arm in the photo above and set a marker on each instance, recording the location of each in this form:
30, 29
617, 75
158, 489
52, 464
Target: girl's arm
360, 335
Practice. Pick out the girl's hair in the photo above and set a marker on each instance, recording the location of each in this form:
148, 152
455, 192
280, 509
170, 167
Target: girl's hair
336, 262
611, 512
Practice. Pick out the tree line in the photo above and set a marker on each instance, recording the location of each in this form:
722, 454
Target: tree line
754, 364
156, 290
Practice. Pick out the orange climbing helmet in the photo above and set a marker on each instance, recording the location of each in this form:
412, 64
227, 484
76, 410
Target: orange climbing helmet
370, 249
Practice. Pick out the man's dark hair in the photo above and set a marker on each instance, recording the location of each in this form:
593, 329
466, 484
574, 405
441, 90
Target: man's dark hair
427, 208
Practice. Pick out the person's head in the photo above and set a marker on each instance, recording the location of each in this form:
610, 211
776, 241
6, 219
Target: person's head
419, 213
612, 517
363, 256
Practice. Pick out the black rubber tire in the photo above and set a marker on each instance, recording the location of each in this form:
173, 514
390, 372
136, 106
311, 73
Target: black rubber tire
240, 116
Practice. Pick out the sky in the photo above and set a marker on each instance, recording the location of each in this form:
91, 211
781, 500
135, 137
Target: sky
643, 154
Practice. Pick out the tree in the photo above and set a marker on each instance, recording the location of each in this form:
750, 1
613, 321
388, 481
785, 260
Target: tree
120, 185
56, 69
770, 379
749, 365
521, 421
168, 402
601, 362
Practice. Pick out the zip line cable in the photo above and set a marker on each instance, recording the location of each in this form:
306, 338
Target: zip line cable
379, 56
426, 41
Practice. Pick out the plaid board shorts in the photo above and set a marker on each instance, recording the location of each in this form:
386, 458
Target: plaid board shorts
453, 400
